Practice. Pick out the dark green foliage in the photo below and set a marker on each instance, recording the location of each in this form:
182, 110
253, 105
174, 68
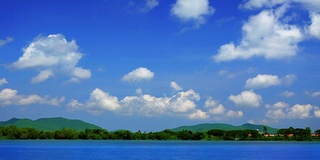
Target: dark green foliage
13, 132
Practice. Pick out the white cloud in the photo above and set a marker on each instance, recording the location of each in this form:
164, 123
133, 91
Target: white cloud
300, 111
281, 105
288, 79
192, 10
263, 35
184, 101
246, 99
42, 76
317, 113
52, 55
276, 114
262, 81
220, 109
175, 86
100, 100
11, 97
214, 107
182, 104
138, 74
198, 114
288, 94
235, 114
314, 28
150, 4
3, 81
7, 40
313, 94
252, 4
281, 110
265, 81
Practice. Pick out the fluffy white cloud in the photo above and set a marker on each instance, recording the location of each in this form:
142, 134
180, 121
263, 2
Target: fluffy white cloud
317, 113
175, 86
3, 81
314, 28
246, 99
52, 55
281, 110
182, 103
191, 10
100, 100
7, 40
138, 74
11, 97
263, 36
236, 114
265, 81
262, 81
288, 94
214, 107
198, 114
300, 111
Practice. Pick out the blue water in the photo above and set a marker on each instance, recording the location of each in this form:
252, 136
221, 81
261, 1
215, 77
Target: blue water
99, 150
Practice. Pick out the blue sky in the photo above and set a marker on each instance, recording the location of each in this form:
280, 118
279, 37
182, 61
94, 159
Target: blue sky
155, 64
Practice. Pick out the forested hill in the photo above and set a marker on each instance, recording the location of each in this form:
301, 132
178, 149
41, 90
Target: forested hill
225, 127
49, 124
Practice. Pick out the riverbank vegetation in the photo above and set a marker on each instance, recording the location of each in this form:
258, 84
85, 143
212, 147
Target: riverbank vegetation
290, 134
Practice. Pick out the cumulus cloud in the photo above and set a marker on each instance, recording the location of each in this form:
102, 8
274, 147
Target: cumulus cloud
214, 107
100, 100
11, 97
265, 81
262, 81
198, 114
263, 35
3, 81
52, 55
281, 110
317, 113
300, 111
314, 28
138, 74
182, 103
175, 86
191, 10
7, 40
236, 114
246, 99
288, 94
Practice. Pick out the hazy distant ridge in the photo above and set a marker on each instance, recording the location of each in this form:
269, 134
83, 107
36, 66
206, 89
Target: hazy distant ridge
222, 126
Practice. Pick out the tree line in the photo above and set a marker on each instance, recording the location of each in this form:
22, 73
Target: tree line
290, 134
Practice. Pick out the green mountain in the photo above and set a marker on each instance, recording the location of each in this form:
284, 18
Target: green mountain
49, 124
226, 127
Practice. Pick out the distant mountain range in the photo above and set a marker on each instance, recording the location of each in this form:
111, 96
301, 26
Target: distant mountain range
49, 124
58, 123
226, 127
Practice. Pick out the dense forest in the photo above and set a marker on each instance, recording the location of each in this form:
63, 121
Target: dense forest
289, 134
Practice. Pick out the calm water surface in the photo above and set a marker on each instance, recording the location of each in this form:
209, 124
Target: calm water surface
96, 150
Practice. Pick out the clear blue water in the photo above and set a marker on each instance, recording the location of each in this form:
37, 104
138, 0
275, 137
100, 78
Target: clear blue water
99, 150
